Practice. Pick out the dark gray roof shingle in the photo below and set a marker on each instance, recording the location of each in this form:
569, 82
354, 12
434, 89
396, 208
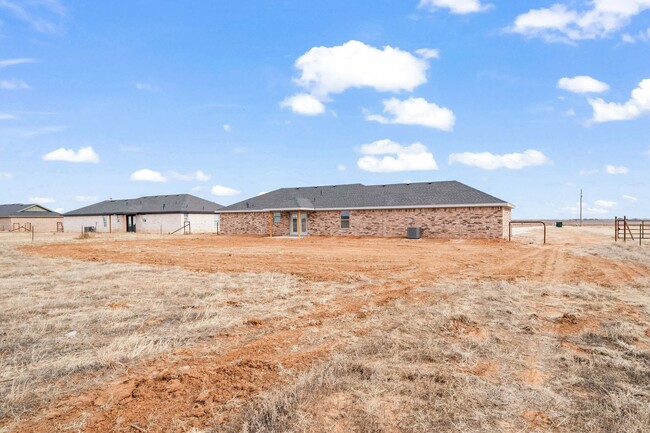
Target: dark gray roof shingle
358, 196
22, 210
177, 203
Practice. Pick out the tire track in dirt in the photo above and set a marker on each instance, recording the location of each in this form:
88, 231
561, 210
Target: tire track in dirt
204, 387
194, 387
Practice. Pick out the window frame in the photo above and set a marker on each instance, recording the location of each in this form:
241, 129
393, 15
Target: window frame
344, 219
277, 217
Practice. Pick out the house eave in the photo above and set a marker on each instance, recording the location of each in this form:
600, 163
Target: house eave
443, 206
211, 212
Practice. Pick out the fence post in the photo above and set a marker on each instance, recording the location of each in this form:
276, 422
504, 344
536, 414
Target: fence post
615, 229
624, 229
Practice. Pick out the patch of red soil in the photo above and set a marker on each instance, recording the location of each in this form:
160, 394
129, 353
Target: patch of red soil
533, 377
486, 369
537, 419
570, 324
354, 259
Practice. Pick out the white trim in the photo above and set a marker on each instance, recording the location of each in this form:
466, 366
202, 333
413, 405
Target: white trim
441, 206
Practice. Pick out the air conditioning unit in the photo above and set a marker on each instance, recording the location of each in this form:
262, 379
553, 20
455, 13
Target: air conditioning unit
414, 232
88, 229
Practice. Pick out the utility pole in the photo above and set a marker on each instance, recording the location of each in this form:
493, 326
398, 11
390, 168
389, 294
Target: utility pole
580, 207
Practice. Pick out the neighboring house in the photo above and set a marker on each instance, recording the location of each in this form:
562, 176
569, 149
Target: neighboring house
28, 217
153, 214
441, 209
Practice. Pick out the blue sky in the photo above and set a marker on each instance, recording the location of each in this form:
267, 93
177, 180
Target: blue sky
529, 101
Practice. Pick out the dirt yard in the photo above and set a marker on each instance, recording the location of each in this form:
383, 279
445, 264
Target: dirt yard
241, 334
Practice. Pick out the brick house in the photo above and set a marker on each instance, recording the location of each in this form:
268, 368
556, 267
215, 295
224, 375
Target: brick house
441, 209
150, 214
20, 217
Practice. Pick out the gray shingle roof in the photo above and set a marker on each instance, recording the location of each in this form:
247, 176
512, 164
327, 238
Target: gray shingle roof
177, 203
358, 196
22, 210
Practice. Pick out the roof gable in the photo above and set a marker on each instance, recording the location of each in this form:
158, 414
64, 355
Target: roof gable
26, 210
35, 208
358, 196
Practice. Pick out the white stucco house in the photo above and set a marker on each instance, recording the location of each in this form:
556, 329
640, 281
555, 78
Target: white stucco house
151, 214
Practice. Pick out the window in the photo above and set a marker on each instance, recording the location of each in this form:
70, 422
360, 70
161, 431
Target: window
277, 217
105, 220
186, 218
345, 219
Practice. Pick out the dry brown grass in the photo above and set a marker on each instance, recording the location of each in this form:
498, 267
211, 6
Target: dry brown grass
486, 356
623, 251
69, 325
458, 355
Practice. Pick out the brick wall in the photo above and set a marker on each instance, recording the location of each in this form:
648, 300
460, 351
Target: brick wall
477, 222
40, 224
445, 223
253, 223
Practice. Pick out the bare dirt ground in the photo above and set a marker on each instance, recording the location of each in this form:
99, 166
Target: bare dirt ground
213, 333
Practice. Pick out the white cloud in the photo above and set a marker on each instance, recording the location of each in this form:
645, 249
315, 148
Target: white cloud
597, 210
5, 175
224, 191
612, 169
628, 38
201, 176
490, 161
59, 210
605, 204
40, 130
198, 175
43, 15
642, 36
630, 198
582, 84
637, 105
12, 62
146, 175
304, 104
381, 147
341, 167
428, 53
5, 116
598, 19
328, 70
13, 84
227, 128
415, 157
146, 87
416, 111
84, 154
262, 193
41, 200
459, 7
86, 198
239, 149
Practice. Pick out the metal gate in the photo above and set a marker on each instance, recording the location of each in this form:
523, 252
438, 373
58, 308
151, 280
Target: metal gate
631, 230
